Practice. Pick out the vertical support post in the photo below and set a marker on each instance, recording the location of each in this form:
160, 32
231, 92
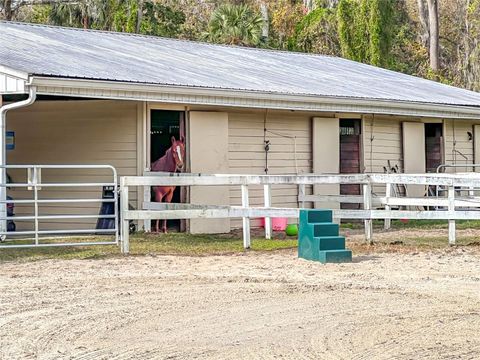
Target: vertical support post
35, 197
267, 203
246, 220
301, 193
367, 205
32, 94
388, 192
451, 210
124, 208
147, 224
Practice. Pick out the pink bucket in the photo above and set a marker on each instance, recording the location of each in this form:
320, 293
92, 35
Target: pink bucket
278, 224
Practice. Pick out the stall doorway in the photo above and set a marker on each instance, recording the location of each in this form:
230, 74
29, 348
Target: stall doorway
350, 134
433, 146
163, 125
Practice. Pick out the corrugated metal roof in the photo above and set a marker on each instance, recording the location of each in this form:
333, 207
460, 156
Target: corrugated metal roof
76, 53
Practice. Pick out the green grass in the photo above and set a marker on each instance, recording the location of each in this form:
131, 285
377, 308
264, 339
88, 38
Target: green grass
148, 244
416, 224
201, 245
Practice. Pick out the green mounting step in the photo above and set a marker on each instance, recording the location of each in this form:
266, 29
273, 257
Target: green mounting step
318, 238
319, 216
335, 256
325, 229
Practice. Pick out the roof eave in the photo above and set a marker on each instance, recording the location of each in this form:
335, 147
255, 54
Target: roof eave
101, 89
13, 81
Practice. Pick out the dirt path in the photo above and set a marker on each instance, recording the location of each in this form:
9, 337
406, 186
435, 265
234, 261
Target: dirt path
257, 306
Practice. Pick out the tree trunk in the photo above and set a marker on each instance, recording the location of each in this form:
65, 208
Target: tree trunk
7, 8
423, 16
139, 15
264, 11
434, 37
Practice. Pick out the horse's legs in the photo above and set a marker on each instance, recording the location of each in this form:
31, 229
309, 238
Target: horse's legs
168, 198
158, 198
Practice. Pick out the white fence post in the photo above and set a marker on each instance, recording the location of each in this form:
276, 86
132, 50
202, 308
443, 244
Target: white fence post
451, 210
302, 191
246, 220
267, 203
388, 192
124, 222
147, 224
367, 205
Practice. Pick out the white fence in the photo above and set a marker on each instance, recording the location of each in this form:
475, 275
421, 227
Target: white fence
392, 206
37, 194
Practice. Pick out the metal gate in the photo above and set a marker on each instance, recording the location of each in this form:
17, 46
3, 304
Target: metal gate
57, 201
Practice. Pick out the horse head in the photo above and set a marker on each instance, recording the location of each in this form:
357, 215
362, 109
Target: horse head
178, 152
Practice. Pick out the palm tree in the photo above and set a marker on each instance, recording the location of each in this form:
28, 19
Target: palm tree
96, 14
78, 14
235, 25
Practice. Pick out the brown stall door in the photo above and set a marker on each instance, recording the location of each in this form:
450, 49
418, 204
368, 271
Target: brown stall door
350, 157
433, 146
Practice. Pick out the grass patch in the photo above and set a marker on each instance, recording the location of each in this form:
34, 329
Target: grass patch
147, 244
203, 245
415, 224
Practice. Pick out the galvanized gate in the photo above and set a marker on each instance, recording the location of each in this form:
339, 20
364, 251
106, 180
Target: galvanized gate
57, 201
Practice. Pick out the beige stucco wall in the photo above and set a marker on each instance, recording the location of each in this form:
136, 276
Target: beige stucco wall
290, 152
208, 148
459, 149
382, 141
73, 132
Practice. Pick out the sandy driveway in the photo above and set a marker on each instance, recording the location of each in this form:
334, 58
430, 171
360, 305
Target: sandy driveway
271, 306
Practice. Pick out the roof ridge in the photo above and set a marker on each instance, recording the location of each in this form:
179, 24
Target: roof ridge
154, 37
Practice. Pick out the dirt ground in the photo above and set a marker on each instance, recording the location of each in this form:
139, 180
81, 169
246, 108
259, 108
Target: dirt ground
253, 306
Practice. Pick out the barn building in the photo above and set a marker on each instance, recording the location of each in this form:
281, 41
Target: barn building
115, 98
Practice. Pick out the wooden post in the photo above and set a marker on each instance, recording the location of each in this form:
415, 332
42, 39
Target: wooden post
267, 203
246, 221
124, 222
451, 210
388, 192
367, 205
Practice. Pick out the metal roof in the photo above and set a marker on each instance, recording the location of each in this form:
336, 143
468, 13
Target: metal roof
76, 53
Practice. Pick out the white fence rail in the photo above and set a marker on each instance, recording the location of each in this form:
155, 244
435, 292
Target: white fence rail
35, 188
447, 205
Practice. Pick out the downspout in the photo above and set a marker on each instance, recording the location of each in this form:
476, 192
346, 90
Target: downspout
32, 95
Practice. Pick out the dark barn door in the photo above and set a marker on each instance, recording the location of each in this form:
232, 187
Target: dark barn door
350, 131
164, 125
433, 146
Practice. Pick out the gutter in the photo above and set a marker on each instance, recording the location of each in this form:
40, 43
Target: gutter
32, 95
102, 89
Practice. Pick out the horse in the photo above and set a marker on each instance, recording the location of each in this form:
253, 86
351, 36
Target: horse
172, 161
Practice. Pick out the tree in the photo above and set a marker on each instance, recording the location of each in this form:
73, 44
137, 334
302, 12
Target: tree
434, 46
79, 14
423, 17
285, 17
10, 8
235, 25
469, 65
366, 30
317, 32
429, 20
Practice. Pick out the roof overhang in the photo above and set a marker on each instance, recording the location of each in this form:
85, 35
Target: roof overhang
12, 81
115, 90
